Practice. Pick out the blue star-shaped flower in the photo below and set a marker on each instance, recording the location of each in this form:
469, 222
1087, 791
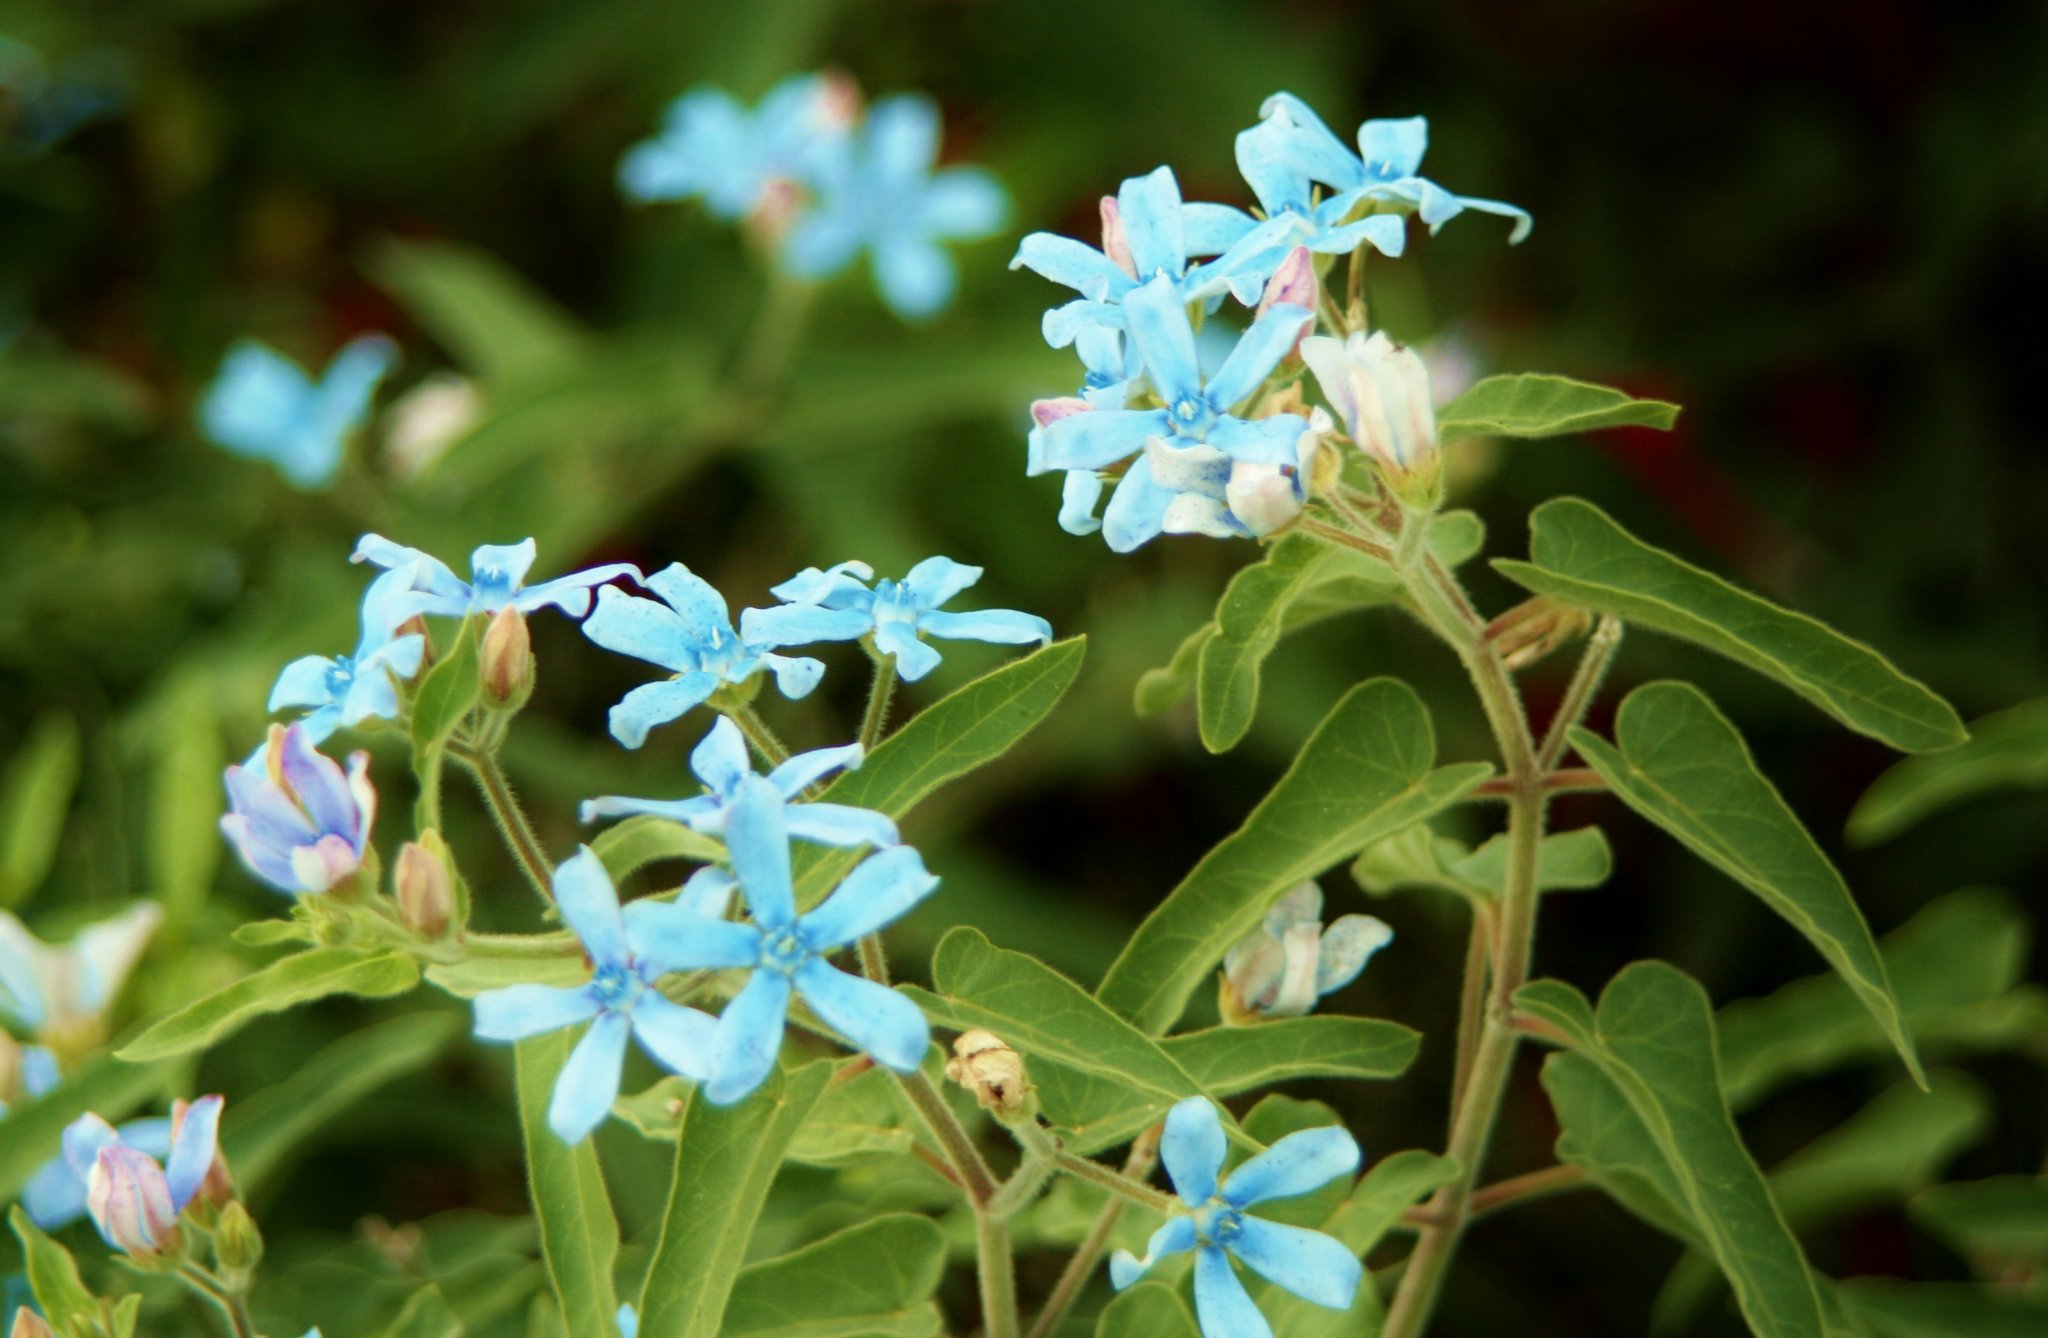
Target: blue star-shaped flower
689, 633
788, 952
263, 406
882, 196
897, 613
712, 146
1308, 1263
722, 763
629, 950
348, 689
497, 575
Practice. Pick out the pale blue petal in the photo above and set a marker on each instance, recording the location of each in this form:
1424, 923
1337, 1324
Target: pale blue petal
708, 892
795, 675
1212, 229
1136, 510
1080, 493
1151, 212
902, 136
667, 936
54, 1197
571, 593
192, 1150
1385, 233
1097, 439
641, 628
914, 659
700, 607
589, 1082
257, 398
1310, 1264
802, 625
629, 1322
964, 203
434, 576
1317, 151
1257, 352
502, 565
518, 1011
151, 1135
804, 770
749, 1037
1003, 626
654, 704
391, 599
1175, 1236
1126, 1268
303, 683
757, 837
322, 788
838, 587
1158, 322
679, 1038
1347, 945
914, 276
820, 244
39, 1073
840, 825
590, 906
1063, 324
1262, 441
268, 860
874, 1017
720, 758
879, 891
937, 579
1274, 166
1222, 1305
1192, 1147
350, 383
1071, 264
84, 1138
1296, 1164
1392, 147
1521, 216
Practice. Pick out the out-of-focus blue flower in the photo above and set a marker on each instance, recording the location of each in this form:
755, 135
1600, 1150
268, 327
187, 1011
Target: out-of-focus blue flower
1292, 148
899, 614
49, 101
786, 951
1281, 968
349, 689
54, 1196
64, 992
297, 822
689, 633
629, 950
629, 1322
133, 1201
263, 406
713, 147
1194, 414
722, 763
1313, 1266
882, 196
497, 575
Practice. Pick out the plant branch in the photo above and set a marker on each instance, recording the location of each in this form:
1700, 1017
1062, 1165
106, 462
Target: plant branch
771, 749
511, 819
1144, 1156
1344, 538
1095, 1173
1578, 695
224, 1298
997, 1273
876, 717
1516, 1189
1569, 780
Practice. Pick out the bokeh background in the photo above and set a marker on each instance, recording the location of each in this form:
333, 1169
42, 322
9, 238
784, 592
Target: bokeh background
1824, 230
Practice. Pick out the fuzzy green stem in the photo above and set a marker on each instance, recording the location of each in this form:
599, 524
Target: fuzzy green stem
1144, 1156
224, 1298
998, 1276
1095, 1173
771, 749
773, 337
876, 717
511, 819
1022, 1186
1578, 694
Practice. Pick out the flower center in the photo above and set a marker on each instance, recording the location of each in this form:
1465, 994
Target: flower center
783, 951
893, 604
617, 988
1217, 1223
1190, 416
340, 675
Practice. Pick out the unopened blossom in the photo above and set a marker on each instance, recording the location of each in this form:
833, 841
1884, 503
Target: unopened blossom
786, 953
1381, 392
1215, 1225
349, 689
54, 1196
262, 405
732, 157
133, 1201
298, 822
840, 605
1291, 960
629, 950
497, 579
61, 993
721, 762
689, 633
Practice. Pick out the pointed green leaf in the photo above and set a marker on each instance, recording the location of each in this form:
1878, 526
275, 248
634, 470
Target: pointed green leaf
493, 961
875, 1278
1247, 628
726, 1159
1418, 857
426, 1315
1580, 556
183, 848
495, 323
53, 1277
1889, 1308
1600, 1133
632, 845
2006, 1216
579, 1237
1365, 772
449, 691
287, 983
1536, 405
1682, 765
1161, 689
1147, 1310
1392, 1185
2008, 750
35, 793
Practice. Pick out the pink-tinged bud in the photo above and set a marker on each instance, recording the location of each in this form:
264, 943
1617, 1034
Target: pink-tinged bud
1381, 391
28, 1324
130, 1203
839, 101
1116, 243
299, 822
1294, 283
507, 660
425, 887
781, 200
1047, 412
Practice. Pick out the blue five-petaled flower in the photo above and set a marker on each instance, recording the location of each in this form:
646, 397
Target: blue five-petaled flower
348, 689
497, 579
840, 605
263, 406
629, 950
713, 147
721, 762
1308, 1263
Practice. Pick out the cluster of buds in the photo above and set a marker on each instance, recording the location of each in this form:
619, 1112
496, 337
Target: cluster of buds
1291, 960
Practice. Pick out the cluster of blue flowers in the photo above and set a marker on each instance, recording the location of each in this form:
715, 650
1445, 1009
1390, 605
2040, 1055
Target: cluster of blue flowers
1227, 450
824, 185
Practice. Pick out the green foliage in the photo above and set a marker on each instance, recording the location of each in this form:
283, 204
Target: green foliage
1891, 1309
494, 322
1535, 405
1368, 770
1418, 857
287, 983
2003, 1219
579, 1236
2007, 750
632, 845
1682, 765
52, 1275
426, 1315
184, 848
35, 790
1147, 1310
875, 1279
1580, 556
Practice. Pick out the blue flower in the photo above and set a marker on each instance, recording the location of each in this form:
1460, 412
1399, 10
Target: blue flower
64, 992
296, 821
690, 634
713, 147
263, 406
721, 762
1308, 1263
54, 1196
785, 951
1194, 413
133, 1201
497, 575
883, 197
629, 950
1292, 148
629, 1322
349, 689
897, 613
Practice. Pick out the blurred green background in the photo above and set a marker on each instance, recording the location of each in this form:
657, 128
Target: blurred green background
1823, 230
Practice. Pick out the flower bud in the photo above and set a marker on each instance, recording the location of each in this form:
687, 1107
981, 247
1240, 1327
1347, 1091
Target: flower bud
1293, 284
1268, 498
507, 660
237, 1244
994, 1072
298, 822
1116, 243
130, 1203
1533, 629
28, 1324
425, 887
1381, 391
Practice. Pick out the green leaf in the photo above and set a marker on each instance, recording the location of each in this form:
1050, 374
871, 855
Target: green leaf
579, 1237
1418, 857
1535, 405
493, 961
261, 1132
1580, 556
875, 1278
2007, 750
495, 323
35, 793
53, 1277
1392, 1186
1147, 1310
426, 1315
35, 1126
1365, 772
1247, 629
449, 691
184, 846
1682, 765
637, 842
725, 1161
1653, 1043
298, 979
1956, 968
1893, 1309
966, 729
1161, 689
2006, 1216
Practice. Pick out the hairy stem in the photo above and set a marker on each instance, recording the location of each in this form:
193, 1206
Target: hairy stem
511, 819
1344, 538
876, 717
224, 1298
1521, 1188
1095, 1173
1472, 1008
1144, 1156
998, 1276
772, 750
1578, 695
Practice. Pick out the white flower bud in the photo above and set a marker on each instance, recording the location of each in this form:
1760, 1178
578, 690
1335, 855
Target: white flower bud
1381, 391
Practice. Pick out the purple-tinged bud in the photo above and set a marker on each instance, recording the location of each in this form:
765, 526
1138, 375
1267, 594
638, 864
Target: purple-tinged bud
130, 1202
1267, 498
1381, 391
28, 1324
839, 101
298, 822
507, 660
1047, 412
1293, 284
1116, 243
425, 887
214, 1186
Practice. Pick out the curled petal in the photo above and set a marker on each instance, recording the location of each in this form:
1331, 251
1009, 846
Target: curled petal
914, 659
654, 704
